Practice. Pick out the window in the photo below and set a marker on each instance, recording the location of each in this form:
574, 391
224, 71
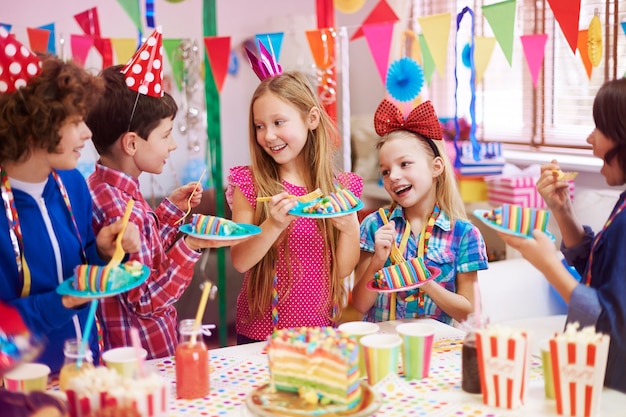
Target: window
557, 113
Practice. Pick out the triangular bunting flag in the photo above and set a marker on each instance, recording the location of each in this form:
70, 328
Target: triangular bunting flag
6, 26
379, 41
381, 13
428, 63
567, 13
80, 48
483, 49
534, 50
436, 30
273, 42
623, 24
501, 19
584, 51
51, 43
89, 22
218, 52
131, 7
103, 45
124, 48
176, 63
411, 46
38, 39
322, 45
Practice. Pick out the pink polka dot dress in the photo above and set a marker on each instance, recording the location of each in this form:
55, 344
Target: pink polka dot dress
303, 282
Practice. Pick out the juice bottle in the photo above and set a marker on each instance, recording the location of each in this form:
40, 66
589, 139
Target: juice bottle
71, 350
192, 363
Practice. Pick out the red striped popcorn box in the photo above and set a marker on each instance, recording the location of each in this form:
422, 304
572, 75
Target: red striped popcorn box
503, 361
520, 190
100, 387
578, 368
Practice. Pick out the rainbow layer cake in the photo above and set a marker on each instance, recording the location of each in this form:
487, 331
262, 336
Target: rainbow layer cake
518, 219
96, 388
212, 225
342, 200
95, 278
401, 275
319, 363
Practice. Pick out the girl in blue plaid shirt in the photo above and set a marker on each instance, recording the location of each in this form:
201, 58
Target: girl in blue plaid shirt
420, 181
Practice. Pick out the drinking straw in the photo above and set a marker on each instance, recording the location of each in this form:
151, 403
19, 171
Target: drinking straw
134, 337
88, 326
476, 305
206, 287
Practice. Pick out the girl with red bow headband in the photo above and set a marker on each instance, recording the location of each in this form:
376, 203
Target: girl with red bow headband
419, 178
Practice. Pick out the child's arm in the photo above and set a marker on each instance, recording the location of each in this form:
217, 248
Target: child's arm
456, 304
247, 254
347, 253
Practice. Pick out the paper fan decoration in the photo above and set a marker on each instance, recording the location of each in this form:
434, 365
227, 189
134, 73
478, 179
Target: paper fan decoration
144, 70
17, 63
348, 6
405, 79
594, 40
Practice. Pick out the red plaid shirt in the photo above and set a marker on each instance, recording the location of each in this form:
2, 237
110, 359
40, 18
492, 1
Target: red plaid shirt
150, 306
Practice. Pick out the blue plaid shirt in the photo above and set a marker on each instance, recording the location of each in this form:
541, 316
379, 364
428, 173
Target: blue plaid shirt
452, 248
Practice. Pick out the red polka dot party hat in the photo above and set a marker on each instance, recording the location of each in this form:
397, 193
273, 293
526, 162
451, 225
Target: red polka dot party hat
144, 70
17, 63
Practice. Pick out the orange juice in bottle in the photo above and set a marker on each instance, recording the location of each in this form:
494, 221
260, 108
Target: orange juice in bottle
71, 350
192, 363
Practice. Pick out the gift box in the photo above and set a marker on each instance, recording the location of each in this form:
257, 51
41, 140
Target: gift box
472, 189
578, 368
503, 361
519, 190
488, 159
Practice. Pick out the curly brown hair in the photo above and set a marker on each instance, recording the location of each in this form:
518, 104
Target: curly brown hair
30, 118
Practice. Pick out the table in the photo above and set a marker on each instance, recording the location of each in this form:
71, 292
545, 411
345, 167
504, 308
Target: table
237, 370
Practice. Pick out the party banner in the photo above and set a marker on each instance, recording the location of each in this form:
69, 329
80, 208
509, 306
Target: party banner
171, 50
6, 26
322, 45
80, 48
411, 46
131, 7
348, 6
89, 22
381, 13
584, 52
218, 52
272, 42
379, 41
38, 39
534, 50
51, 39
428, 63
103, 45
124, 49
436, 30
483, 49
567, 14
501, 19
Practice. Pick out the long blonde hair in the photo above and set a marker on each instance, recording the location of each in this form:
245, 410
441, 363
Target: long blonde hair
446, 189
317, 171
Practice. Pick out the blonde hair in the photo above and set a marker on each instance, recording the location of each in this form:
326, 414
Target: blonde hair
317, 171
446, 191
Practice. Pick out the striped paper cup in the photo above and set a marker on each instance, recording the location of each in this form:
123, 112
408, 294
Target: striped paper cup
417, 346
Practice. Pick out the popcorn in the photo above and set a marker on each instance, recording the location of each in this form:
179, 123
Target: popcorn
578, 367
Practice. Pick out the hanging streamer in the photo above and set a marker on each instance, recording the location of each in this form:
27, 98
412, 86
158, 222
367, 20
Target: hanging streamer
150, 13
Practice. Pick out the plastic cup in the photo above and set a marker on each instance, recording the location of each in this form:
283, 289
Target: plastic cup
546, 363
381, 351
358, 329
123, 360
417, 347
27, 377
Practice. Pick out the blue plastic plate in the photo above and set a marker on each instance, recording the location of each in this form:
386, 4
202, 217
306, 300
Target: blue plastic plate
481, 216
67, 287
250, 230
297, 211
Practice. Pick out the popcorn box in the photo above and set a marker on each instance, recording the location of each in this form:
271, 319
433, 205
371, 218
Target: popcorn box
503, 361
519, 190
578, 368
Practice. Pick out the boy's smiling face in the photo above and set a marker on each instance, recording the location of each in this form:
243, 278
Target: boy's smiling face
151, 153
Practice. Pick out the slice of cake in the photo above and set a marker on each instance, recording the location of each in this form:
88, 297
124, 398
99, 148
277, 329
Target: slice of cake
342, 200
402, 274
519, 219
212, 225
95, 278
319, 363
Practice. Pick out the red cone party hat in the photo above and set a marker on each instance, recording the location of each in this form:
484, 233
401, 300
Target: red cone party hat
144, 70
17, 63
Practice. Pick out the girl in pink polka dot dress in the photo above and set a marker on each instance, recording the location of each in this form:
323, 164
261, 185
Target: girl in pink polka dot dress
294, 269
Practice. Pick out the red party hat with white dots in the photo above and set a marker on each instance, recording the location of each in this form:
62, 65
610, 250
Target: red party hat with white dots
17, 63
144, 70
